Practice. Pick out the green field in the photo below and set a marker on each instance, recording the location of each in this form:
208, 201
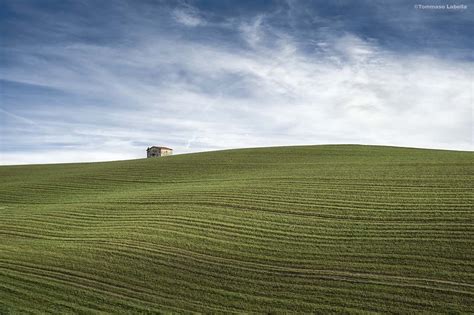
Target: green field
337, 228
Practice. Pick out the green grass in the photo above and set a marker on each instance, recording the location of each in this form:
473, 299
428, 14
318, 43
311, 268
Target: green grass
323, 229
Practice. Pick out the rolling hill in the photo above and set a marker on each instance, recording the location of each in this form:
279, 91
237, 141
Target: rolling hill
337, 228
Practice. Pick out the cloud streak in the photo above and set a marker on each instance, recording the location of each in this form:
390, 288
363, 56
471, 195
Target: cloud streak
189, 16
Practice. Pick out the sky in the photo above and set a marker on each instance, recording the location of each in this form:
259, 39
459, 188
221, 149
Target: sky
88, 80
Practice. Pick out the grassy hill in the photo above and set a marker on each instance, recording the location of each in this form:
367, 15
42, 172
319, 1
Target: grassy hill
290, 229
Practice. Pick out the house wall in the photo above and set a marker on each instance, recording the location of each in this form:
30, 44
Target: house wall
156, 152
153, 153
166, 152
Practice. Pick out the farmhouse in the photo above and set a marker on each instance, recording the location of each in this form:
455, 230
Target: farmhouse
158, 151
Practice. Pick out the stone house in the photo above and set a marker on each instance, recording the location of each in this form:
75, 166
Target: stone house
158, 151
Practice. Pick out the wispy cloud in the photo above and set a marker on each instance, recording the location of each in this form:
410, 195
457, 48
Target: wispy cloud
18, 118
198, 92
188, 15
252, 31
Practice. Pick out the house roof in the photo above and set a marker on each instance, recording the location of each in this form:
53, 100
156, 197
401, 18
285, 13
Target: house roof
158, 148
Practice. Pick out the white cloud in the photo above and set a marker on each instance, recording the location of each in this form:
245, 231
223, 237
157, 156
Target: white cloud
64, 156
188, 16
252, 31
216, 97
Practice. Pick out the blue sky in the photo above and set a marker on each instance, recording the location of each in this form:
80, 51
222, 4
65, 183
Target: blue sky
102, 80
